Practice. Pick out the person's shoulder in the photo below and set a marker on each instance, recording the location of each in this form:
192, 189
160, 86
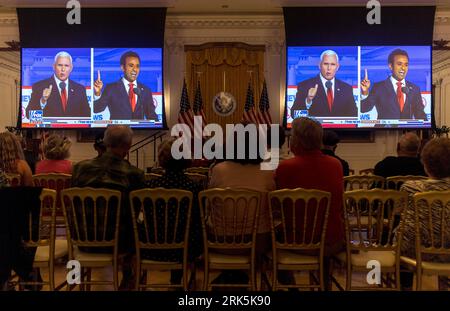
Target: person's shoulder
75, 85
83, 163
412, 86
143, 87
343, 84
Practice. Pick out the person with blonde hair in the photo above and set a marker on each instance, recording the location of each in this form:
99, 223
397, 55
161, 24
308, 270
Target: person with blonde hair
12, 159
56, 151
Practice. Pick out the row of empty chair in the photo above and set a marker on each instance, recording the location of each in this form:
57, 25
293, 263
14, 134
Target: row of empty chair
229, 220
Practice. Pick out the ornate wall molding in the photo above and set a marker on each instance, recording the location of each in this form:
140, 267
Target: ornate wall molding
225, 21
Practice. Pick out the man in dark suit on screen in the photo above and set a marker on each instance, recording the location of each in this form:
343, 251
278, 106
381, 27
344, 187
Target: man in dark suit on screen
394, 98
324, 95
59, 96
126, 99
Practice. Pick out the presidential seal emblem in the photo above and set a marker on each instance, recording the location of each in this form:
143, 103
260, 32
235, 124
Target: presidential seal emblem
224, 104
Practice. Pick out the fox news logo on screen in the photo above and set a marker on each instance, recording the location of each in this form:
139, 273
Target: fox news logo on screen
36, 115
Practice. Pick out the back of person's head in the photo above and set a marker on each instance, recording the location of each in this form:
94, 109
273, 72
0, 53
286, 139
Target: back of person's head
118, 138
99, 144
247, 145
306, 135
408, 145
10, 151
165, 158
435, 157
57, 147
330, 138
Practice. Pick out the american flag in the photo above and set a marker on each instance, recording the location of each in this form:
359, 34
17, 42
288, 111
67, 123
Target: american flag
263, 113
198, 105
185, 115
249, 109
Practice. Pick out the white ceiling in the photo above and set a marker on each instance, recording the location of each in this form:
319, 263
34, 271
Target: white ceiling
219, 6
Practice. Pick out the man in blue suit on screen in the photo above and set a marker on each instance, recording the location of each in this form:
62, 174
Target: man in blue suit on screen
59, 96
394, 98
127, 99
324, 95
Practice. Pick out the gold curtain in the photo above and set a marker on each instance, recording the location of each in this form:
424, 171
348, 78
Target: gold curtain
224, 67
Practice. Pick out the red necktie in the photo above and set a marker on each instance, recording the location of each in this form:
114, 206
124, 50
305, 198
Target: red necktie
131, 96
330, 97
62, 85
401, 101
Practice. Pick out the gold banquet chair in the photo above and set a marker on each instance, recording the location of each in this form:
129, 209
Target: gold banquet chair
229, 221
395, 182
298, 248
151, 176
92, 220
355, 182
200, 179
41, 234
154, 231
58, 182
432, 226
14, 180
369, 217
198, 170
366, 171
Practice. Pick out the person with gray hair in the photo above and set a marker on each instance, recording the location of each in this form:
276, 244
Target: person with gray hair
406, 162
111, 170
311, 169
324, 95
59, 96
56, 151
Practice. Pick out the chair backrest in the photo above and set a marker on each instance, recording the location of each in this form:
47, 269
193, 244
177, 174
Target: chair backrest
432, 217
366, 182
370, 219
38, 231
229, 217
161, 218
55, 181
366, 171
351, 171
14, 180
92, 217
299, 218
395, 182
157, 170
198, 170
151, 176
200, 179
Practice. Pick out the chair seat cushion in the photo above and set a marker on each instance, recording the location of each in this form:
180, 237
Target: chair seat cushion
386, 258
83, 256
218, 258
42, 252
286, 257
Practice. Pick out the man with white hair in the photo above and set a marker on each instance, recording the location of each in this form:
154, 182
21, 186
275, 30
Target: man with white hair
59, 96
324, 95
406, 162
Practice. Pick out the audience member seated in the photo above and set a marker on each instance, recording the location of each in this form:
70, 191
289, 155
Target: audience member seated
247, 174
330, 141
174, 178
111, 170
16, 201
435, 157
12, 159
407, 161
56, 151
311, 169
99, 145
278, 151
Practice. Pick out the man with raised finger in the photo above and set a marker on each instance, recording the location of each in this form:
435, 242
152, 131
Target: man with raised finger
60, 96
126, 99
394, 97
324, 95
